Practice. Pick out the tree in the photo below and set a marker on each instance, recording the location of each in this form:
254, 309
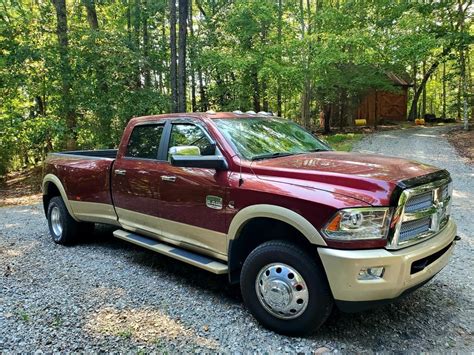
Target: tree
72, 76
173, 57
183, 28
68, 107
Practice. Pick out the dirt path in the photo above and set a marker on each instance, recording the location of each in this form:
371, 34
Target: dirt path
106, 295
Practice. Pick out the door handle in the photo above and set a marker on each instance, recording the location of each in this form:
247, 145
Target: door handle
169, 178
119, 172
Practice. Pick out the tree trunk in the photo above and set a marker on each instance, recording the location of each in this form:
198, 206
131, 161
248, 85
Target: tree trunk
307, 87
464, 90
264, 94
436, 63
202, 90
136, 30
192, 58
183, 26
462, 59
423, 98
279, 36
91, 14
129, 24
39, 106
415, 88
146, 45
470, 83
68, 109
327, 118
305, 104
256, 90
443, 80
173, 60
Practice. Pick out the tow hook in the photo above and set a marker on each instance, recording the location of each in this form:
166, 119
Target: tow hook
457, 238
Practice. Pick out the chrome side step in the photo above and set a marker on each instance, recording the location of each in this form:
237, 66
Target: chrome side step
187, 256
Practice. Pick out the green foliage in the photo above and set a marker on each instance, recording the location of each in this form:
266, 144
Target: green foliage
240, 55
343, 141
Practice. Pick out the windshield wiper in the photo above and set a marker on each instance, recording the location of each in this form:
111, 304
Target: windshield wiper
272, 155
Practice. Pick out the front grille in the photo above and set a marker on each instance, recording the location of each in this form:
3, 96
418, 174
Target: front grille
421, 213
412, 229
419, 202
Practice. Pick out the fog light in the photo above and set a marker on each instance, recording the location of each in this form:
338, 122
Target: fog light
371, 273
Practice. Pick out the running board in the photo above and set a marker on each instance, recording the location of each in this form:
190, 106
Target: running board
187, 256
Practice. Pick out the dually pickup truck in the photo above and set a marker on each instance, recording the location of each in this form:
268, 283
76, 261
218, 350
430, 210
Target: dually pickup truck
301, 227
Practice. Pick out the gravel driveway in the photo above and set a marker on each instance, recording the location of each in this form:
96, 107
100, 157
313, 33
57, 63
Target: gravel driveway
108, 295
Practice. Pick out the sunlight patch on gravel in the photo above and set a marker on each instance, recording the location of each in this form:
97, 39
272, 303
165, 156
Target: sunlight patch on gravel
146, 325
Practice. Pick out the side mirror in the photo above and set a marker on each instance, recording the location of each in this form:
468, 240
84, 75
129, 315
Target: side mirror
185, 150
200, 161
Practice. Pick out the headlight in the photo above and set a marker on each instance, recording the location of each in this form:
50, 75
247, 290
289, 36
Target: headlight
359, 224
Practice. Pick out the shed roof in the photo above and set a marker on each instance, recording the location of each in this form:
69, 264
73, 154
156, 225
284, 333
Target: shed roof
399, 79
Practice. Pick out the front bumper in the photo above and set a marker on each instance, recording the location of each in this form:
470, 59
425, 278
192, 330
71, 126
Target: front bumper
343, 266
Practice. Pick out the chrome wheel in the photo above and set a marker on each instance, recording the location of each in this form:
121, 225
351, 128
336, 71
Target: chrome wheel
56, 223
282, 291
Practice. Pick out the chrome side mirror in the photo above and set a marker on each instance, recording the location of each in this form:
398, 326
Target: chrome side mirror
185, 150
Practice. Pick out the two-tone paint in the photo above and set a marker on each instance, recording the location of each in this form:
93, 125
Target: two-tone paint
205, 211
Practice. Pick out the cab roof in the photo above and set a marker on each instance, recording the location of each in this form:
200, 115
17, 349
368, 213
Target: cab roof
203, 115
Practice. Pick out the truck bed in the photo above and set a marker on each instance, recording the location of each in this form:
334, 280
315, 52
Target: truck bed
85, 177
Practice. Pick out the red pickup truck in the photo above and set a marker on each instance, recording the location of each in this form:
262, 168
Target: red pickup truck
301, 227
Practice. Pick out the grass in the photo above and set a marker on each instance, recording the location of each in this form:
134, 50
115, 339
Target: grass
57, 322
127, 334
24, 316
343, 141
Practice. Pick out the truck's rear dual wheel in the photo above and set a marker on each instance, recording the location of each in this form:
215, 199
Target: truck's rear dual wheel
62, 227
285, 288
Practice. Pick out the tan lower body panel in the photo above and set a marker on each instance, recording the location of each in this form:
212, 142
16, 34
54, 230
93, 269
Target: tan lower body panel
94, 212
205, 263
343, 266
198, 239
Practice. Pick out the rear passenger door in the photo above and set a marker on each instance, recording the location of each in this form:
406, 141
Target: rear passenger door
135, 176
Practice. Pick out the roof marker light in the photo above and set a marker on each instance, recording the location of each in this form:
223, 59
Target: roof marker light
211, 112
237, 112
251, 112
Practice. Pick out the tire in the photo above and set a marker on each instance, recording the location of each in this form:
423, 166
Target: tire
296, 269
63, 228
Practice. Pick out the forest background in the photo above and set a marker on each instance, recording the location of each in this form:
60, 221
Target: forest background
73, 72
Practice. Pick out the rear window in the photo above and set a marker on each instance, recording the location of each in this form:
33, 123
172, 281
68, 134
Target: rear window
144, 142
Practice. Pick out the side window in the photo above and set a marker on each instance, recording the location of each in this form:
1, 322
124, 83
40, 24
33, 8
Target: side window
144, 141
189, 134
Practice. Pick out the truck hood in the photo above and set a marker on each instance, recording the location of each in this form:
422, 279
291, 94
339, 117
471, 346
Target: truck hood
368, 177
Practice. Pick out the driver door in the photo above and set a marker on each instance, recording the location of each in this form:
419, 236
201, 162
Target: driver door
193, 200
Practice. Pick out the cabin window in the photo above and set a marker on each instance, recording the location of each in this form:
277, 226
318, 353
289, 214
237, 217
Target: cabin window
144, 142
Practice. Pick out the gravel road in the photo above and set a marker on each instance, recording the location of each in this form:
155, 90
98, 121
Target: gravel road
107, 295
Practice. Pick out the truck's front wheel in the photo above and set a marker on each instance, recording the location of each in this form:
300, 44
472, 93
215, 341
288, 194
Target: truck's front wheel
62, 227
285, 288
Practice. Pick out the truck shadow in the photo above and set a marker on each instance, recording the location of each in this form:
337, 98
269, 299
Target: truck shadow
179, 271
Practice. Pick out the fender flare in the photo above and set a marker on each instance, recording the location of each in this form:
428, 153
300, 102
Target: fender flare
53, 179
274, 212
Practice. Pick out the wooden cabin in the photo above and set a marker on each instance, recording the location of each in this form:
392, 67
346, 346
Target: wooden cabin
384, 105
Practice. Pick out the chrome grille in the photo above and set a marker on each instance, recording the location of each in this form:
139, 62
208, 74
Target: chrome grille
421, 213
419, 202
411, 229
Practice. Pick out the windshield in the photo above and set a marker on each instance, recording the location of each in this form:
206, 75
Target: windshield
264, 138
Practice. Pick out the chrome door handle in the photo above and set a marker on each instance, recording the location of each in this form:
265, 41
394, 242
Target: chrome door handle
168, 178
119, 172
